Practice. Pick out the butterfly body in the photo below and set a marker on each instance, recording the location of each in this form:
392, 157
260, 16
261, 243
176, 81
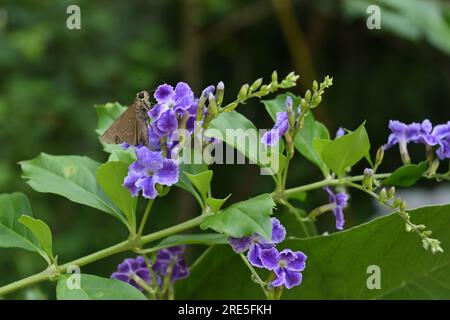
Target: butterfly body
131, 126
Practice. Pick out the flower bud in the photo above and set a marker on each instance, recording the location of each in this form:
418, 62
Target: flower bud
275, 77
397, 202
391, 193
382, 196
255, 85
402, 206
368, 178
379, 157
308, 95
220, 91
243, 92
315, 86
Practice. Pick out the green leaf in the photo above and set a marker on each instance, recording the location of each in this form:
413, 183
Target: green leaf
189, 166
110, 177
244, 218
96, 288
346, 151
41, 231
406, 175
208, 239
201, 181
337, 264
216, 204
72, 177
245, 139
300, 196
13, 234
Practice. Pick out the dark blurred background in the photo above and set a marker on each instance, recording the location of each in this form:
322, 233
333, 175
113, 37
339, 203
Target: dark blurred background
50, 78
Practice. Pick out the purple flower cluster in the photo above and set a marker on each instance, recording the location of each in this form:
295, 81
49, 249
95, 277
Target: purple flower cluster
423, 133
271, 137
168, 260
286, 264
156, 164
338, 201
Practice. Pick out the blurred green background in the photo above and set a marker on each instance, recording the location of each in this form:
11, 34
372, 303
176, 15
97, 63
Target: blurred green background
50, 78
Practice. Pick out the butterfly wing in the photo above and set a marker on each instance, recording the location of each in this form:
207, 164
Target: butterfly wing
141, 132
123, 129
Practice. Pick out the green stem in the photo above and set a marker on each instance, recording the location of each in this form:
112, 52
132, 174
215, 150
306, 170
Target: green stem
254, 274
144, 217
330, 182
118, 248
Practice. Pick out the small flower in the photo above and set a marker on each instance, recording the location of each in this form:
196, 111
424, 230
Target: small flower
130, 267
402, 134
149, 169
339, 202
287, 266
171, 258
281, 126
340, 132
255, 243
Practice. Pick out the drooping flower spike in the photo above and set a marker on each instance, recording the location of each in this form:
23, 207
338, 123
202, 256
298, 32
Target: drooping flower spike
338, 201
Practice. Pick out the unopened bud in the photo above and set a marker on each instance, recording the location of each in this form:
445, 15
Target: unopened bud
275, 77
255, 85
243, 92
308, 95
379, 157
315, 86
220, 91
391, 193
402, 206
368, 178
397, 202
383, 195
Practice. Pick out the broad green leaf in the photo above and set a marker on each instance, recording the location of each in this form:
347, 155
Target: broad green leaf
110, 177
300, 196
311, 129
216, 204
192, 163
201, 181
41, 231
346, 151
240, 133
12, 233
118, 153
96, 288
208, 239
406, 175
72, 177
337, 264
244, 218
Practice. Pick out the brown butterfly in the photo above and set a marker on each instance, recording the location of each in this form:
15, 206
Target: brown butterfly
131, 126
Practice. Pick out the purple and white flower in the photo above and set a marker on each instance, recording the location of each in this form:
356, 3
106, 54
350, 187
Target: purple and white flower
130, 268
287, 266
255, 243
149, 169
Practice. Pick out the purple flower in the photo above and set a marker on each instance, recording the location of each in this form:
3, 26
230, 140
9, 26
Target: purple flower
402, 134
439, 135
339, 201
281, 126
171, 258
340, 132
255, 243
287, 266
171, 105
132, 267
149, 169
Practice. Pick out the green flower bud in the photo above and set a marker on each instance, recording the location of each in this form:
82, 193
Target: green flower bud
383, 195
379, 157
397, 202
243, 92
255, 85
220, 91
315, 86
391, 193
